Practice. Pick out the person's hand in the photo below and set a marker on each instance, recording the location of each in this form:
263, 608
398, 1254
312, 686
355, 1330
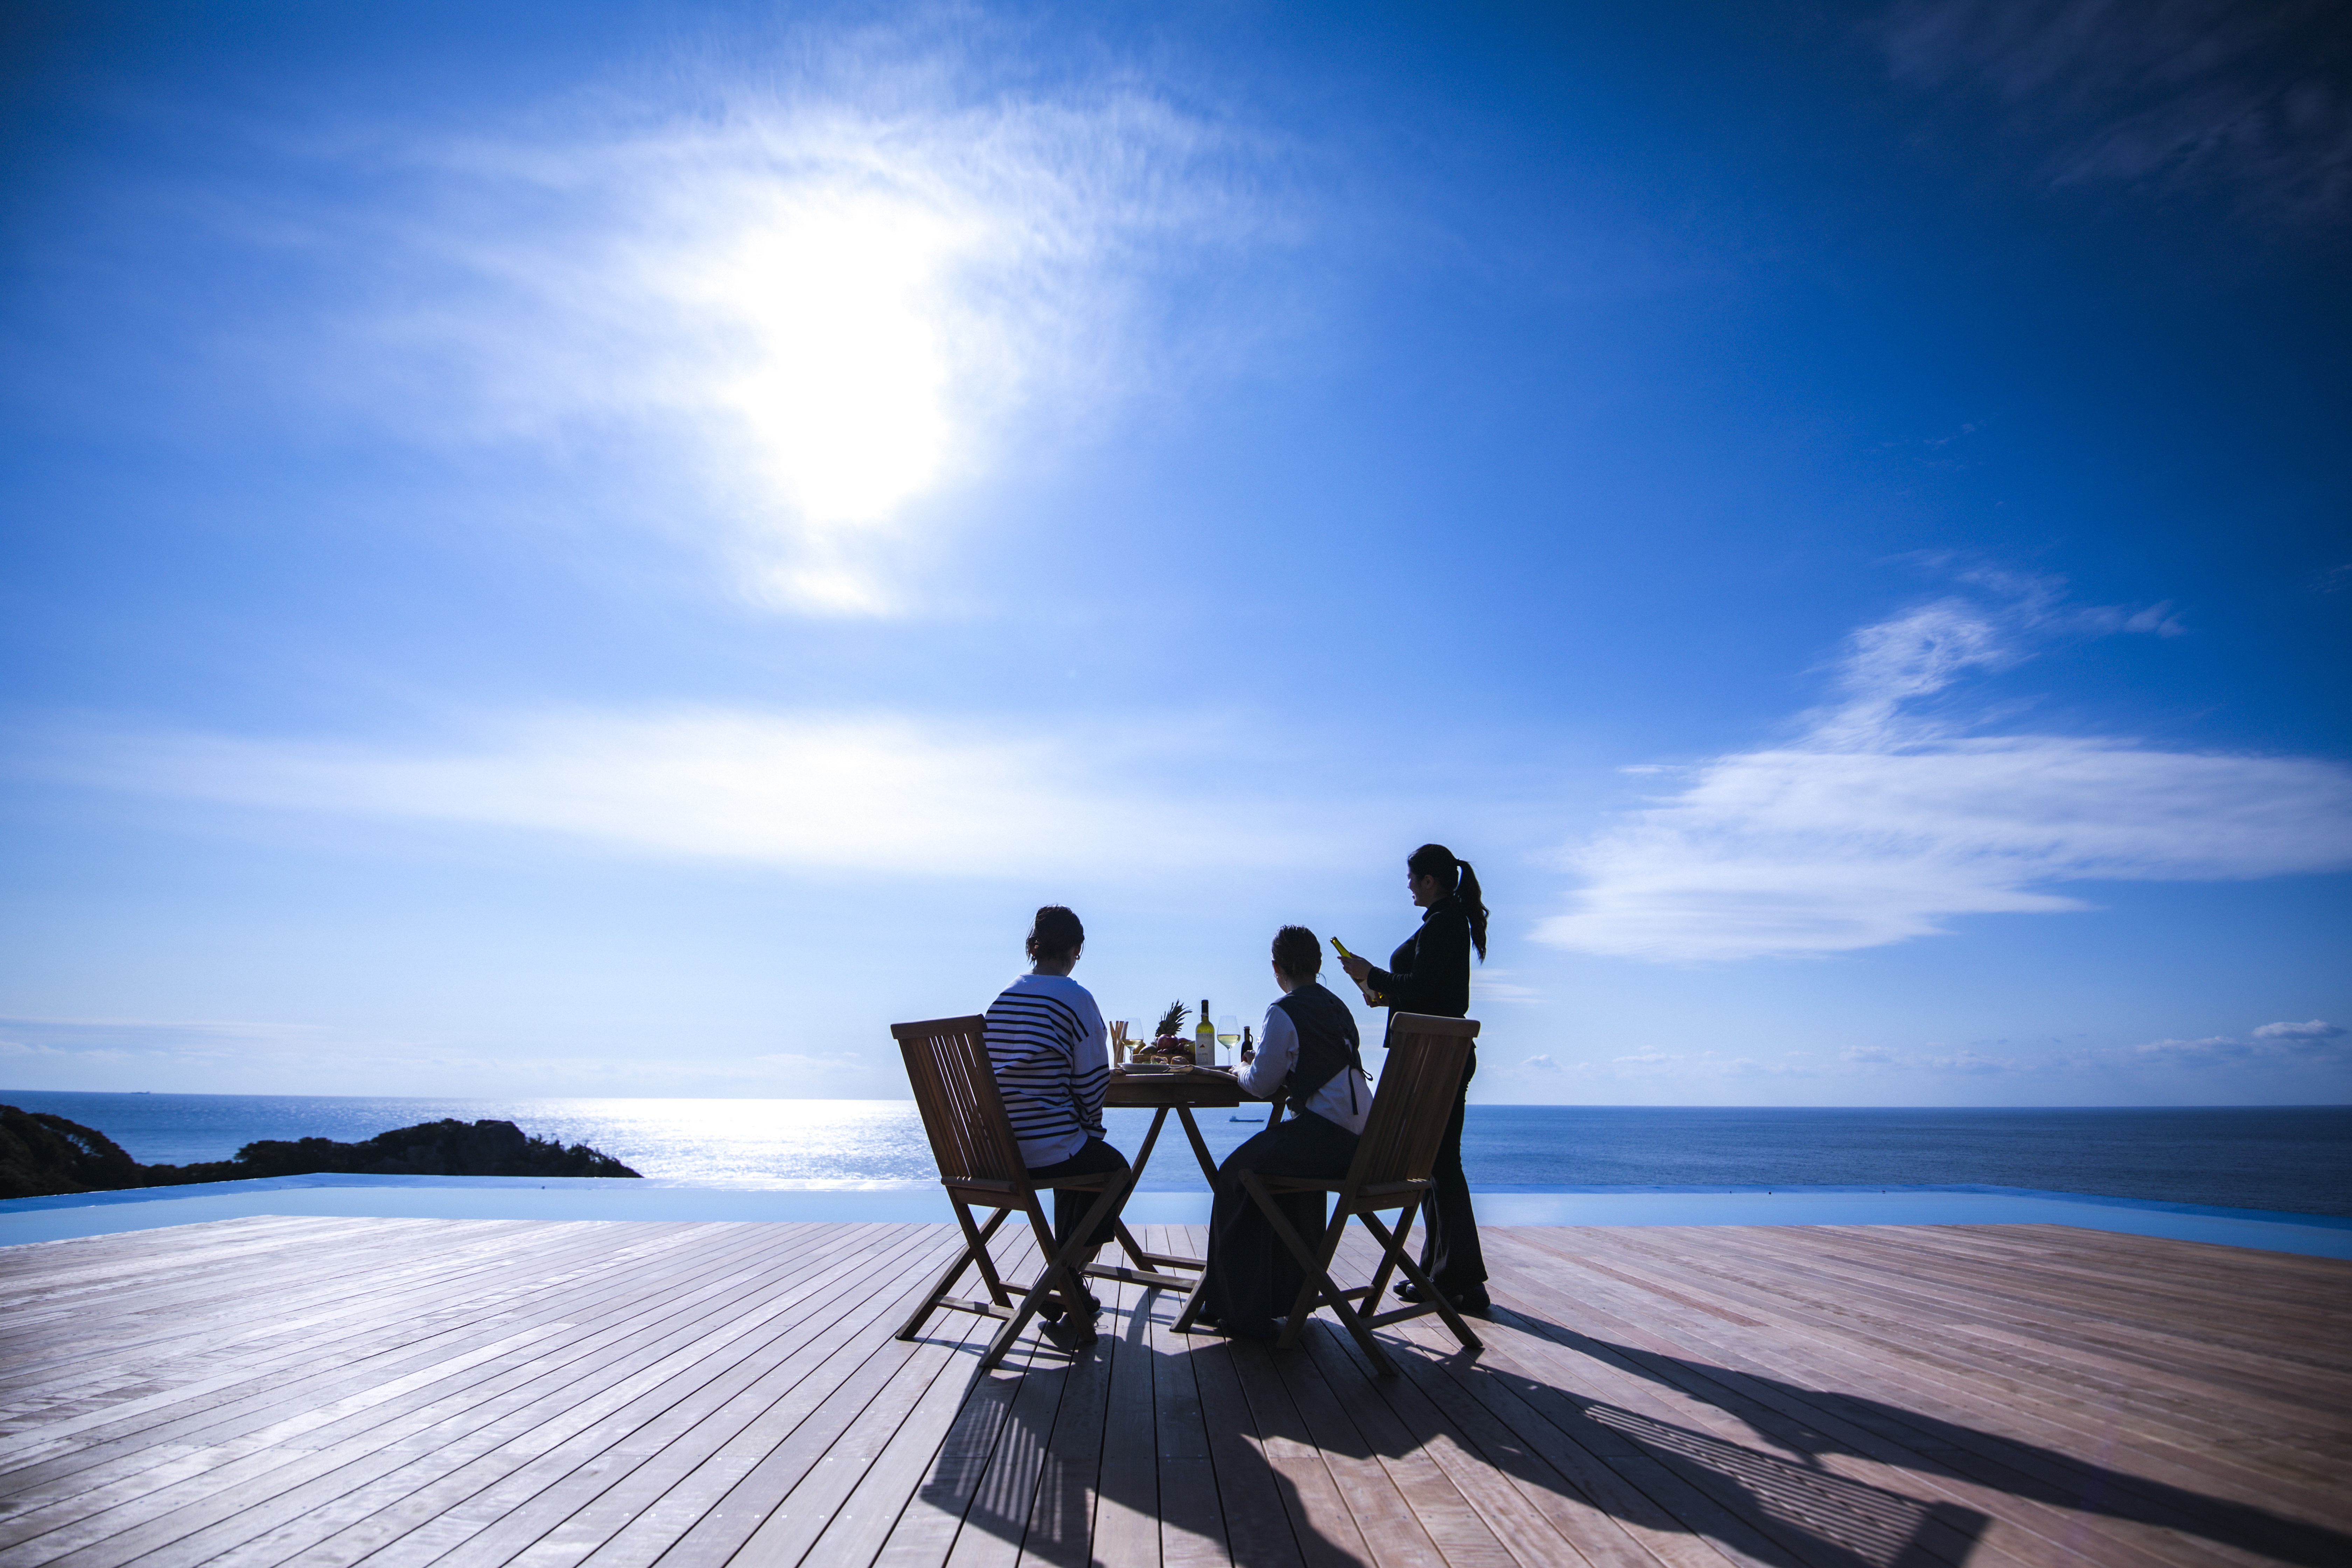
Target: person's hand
1357, 968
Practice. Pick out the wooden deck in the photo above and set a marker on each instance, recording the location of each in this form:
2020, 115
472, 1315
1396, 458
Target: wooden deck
407, 1392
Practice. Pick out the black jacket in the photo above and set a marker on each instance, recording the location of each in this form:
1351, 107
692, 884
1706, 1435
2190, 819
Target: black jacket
1430, 971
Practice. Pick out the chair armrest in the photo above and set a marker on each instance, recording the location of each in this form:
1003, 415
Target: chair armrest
1094, 1184
1303, 1184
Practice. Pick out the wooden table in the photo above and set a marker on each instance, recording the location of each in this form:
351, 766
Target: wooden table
1184, 1093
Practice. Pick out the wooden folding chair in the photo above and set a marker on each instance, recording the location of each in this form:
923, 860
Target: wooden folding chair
979, 1164
1395, 1159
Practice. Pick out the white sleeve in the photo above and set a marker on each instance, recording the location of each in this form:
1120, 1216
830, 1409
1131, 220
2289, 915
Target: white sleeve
1275, 1053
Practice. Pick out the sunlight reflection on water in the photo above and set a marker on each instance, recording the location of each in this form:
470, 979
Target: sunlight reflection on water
835, 1144
819, 1143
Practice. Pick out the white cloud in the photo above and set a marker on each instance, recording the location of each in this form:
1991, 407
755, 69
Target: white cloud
835, 294
2311, 1029
1870, 1054
1976, 1065
1496, 986
799, 790
2270, 1044
1880, 823
2213, 1050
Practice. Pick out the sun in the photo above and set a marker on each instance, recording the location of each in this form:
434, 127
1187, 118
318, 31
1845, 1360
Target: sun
834, 315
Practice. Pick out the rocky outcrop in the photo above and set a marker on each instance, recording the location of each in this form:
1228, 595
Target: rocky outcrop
42, 1154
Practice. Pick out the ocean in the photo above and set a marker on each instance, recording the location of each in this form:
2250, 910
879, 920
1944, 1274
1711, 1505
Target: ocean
2290, 1158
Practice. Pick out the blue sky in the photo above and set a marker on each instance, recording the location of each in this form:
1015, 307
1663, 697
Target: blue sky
620, 549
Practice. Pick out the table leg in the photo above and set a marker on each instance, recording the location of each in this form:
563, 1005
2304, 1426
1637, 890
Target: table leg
1143, 1155
1200, 1145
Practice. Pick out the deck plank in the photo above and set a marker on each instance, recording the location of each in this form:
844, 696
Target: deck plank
552, 1385
349, 1400
2055, 1402
601, 1475
1127, 1499
1192, 1514
623, 1395
1981, 1464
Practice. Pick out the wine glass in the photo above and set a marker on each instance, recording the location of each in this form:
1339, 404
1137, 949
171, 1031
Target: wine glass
1229, 1032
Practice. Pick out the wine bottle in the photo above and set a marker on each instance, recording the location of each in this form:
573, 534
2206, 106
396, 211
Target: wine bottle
1205, 1039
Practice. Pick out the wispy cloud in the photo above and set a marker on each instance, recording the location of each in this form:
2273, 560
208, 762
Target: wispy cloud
219, 1055
825, 299
804, 790
2314, 1040
1650, 1064
1496, 985
1884, 819
2252, 94
2311, 1030
2313, 1043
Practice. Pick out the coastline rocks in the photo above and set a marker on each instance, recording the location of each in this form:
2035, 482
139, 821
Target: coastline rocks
445, 1148
41, 1155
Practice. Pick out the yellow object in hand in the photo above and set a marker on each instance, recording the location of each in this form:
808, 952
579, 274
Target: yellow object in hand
1341, 947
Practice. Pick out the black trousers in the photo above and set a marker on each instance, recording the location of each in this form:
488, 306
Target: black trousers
1070, 1206
1251, 1277
1450, 1253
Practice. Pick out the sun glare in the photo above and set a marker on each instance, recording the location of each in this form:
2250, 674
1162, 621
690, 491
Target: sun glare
839, 357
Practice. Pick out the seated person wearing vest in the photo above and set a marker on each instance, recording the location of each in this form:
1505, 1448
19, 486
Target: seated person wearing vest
1310, 1058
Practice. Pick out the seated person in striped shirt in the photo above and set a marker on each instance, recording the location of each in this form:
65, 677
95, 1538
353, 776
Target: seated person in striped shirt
1046, 1042
1310, 1058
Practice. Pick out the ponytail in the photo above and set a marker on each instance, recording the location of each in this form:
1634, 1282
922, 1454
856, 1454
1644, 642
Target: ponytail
1455, 876
1474, 907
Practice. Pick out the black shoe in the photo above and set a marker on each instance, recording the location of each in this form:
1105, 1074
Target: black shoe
1053, 1307
1470, 1303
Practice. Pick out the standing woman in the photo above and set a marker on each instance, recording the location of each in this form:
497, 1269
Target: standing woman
1430, 973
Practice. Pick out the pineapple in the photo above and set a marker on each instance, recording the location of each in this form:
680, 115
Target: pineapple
1169, 1031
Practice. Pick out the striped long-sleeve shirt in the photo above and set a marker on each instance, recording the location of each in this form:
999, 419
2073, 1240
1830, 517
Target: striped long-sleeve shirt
1046, 1040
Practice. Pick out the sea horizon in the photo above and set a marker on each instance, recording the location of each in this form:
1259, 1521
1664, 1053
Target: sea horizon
2290, 1158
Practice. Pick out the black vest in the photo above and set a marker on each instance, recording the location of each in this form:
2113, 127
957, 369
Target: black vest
1327, 1043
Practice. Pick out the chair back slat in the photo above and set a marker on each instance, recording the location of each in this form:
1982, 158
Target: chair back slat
1426, 1060
955, 1090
